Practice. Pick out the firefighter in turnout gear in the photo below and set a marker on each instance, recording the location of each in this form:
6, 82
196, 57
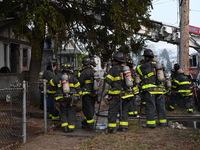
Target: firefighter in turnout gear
67, 96
153, 90
86, 79
119, 95
133, 108
181, 85
48, 75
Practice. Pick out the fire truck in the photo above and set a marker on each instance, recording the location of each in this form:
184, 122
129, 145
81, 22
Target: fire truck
194, 64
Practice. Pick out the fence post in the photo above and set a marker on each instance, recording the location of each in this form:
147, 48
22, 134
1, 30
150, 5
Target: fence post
45, 107
24, 111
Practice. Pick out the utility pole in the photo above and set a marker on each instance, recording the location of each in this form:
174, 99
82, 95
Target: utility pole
184, 36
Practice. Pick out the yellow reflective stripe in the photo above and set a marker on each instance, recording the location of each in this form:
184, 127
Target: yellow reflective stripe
163, 121
110, 77
114, 78
50, 115
153, 62
118, 78
51, 82
182, 83
148, 86
64, 124
90, 121
186, 82
79, 74
127, 96
71, 85
77, 85
114, 92
136, 90
58, 97
74, 85
59, 85
157, 92
52, 92
149, 75
88, 81
83, 93
173, 86
151, 122
112, 125
123, 123
130, 113
189, 94
186, 91
190, 109
172, 107
135, 112
55, 117
139, 70
71, 126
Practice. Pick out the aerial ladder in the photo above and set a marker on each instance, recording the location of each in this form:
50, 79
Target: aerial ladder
171, 34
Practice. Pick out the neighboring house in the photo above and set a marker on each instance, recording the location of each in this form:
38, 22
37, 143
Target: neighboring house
69, 53
15, 55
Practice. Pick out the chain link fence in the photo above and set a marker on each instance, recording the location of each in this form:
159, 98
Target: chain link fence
12, 117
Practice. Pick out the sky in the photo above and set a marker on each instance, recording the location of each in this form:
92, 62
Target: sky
167, 11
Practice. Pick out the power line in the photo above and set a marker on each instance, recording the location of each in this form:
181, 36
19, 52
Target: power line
163, 2
195, 10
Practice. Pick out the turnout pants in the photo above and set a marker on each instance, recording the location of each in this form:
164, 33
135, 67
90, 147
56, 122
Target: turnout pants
133, 108
176, 100
88, 103
115, 108
53, 112
68, 114
155, 102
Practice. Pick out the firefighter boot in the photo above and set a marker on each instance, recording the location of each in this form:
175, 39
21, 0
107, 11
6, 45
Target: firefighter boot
65, 129
84, 124
151, 126
111, 130
122, 129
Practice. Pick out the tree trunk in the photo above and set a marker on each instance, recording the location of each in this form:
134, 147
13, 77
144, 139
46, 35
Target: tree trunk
35, 66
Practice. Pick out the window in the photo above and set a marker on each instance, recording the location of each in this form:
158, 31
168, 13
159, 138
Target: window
25, 58
5, 55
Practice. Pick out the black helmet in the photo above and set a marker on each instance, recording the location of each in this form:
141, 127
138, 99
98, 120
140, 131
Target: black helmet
130, 62
119, 57
92, 62
148, 52
86, 61
176, 67
66, 66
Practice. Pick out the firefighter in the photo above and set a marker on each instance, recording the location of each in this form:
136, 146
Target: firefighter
118, 101
48, 75
181, 85
133, 108
153, 89
67, 96
86, 79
